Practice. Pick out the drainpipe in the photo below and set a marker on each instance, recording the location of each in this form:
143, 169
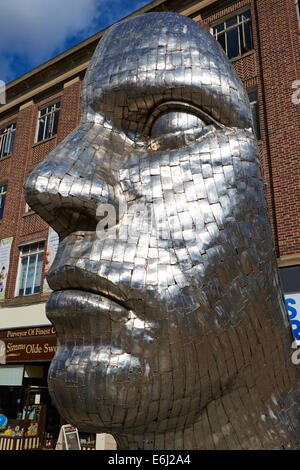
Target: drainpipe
266, 130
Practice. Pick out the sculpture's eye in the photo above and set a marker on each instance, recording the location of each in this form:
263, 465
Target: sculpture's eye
174, 124
173, 121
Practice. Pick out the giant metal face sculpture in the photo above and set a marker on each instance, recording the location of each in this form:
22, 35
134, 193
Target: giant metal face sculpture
171, 324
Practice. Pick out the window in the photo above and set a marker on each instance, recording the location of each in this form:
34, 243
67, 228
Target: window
30, 268
298, 10
48, 122
7, 137
235, 34
28, 208
290, 279
254, 104
3, 189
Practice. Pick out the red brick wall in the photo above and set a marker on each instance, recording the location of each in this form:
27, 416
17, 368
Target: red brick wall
272, 68
70, 110
280, 49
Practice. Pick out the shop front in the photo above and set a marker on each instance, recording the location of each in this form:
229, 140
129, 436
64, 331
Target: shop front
25, 356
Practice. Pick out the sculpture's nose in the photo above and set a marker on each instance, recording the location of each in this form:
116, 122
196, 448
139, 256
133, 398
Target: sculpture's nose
67, 187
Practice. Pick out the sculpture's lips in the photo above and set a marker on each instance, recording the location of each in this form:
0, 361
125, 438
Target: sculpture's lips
71, 278
80, 306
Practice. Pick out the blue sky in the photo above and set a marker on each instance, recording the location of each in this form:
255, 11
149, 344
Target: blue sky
34, 31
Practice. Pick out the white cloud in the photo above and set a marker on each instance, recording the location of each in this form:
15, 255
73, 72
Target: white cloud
33, 31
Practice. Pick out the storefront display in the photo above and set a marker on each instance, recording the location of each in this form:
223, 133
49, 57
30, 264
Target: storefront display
3, 422
24, 396
28, 419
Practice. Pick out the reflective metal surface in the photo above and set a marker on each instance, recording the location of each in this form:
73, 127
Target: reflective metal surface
172, 328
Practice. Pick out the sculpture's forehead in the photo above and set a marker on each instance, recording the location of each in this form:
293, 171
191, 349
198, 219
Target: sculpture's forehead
155, 33
159, 52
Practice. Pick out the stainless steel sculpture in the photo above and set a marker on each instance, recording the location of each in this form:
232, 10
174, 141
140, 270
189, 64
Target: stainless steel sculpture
171, 323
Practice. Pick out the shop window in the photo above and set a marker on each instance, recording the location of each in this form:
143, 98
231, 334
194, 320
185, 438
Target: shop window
3, 189
30, 269
48, 122
235, 34
254, 104
10, 398
7, 137
290, 279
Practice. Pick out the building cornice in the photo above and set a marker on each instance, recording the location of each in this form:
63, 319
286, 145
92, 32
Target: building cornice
25, 97
288, 260
194, 7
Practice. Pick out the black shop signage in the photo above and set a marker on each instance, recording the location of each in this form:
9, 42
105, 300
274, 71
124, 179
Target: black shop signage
36, 344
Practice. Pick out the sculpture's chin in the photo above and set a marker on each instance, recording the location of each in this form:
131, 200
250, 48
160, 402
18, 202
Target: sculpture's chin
95, 395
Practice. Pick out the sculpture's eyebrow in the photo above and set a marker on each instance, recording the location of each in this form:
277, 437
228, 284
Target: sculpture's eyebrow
178, 106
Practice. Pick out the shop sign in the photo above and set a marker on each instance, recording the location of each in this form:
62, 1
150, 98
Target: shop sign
5, 248
48, 330
35, 344
68, 438
293, 305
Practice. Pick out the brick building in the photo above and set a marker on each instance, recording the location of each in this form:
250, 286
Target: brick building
262, 41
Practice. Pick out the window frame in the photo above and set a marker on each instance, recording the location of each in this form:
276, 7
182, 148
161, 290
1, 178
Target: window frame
223, 20
51, 113
258, 122
9, 130
1, 197
36, 252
